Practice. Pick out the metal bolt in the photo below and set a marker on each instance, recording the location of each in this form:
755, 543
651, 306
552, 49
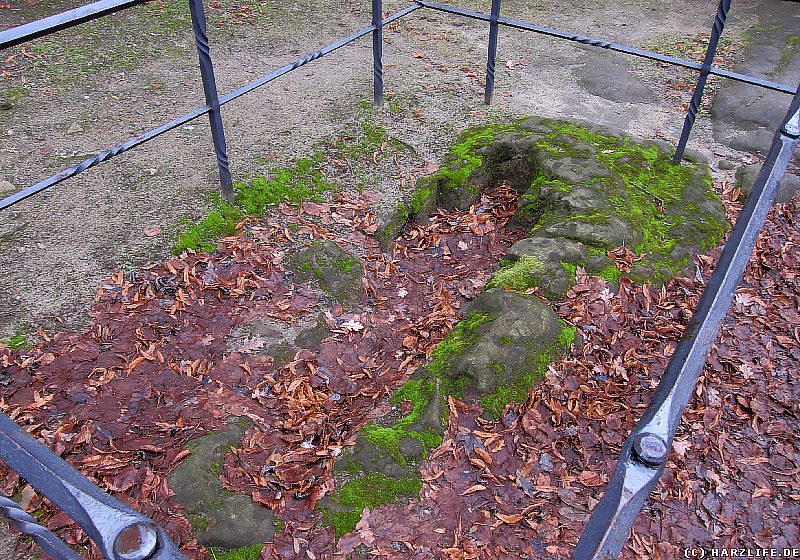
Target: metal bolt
650, 449
137, 541
792, 127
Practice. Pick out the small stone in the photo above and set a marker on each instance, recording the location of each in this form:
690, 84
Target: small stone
7, 186
546, 462
746, 178
726, 165
74, 128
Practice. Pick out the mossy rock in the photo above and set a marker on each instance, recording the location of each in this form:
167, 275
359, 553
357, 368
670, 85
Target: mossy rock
547, 262
584, 190
419, 204
587, 189
221, 519
336, 271
510, 352
493, 357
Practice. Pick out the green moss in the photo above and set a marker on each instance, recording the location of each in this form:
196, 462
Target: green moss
459, 339
570, 268
242, 553
517, 276
368, 142
199, 523
17, 342
304, 181
295, 184
304, 267
200, 235
419, 393
464, 158
506, 341
494, 403
651, 182
346, 265
420, 197
371, 490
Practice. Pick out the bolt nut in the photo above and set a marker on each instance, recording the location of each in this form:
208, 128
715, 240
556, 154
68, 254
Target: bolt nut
650, 449
137, 541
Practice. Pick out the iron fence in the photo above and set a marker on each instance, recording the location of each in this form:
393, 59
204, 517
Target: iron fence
123, 534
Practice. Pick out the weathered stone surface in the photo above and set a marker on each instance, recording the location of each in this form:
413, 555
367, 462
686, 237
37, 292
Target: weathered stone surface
221, 519
553, 277
745, 117
584, 190
746, 178
509, 347
336, 271
7, 187
596, 187
610, 77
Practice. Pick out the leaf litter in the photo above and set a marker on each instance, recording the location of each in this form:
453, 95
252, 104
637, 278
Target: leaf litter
121, 400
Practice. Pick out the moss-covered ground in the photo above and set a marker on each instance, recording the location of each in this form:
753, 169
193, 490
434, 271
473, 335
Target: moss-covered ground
242, 553
300, 182
371, 490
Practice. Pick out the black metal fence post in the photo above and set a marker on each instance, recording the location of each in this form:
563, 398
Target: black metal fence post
644, 453
212, 100
697, 96
377, 51
119, 532
490, 63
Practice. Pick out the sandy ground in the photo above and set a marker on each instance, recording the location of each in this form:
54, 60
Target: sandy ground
55, 247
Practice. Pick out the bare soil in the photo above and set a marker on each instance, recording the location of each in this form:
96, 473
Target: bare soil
86, 89
83, 90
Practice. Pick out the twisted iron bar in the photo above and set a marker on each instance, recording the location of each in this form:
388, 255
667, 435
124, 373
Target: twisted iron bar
494, 29
617, 47
377, 51
286, 68
27, 525
183, 119
697, 96
211, 96
58, 22
645, 451
99, 158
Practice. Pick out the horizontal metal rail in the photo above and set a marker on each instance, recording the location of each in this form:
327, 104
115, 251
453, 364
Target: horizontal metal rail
175, 123
285, 69
602, 44
100, 158
64, 20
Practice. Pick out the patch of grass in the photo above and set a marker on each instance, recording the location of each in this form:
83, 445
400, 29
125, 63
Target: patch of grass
242, 553
295, 184
517, 392
371, 490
